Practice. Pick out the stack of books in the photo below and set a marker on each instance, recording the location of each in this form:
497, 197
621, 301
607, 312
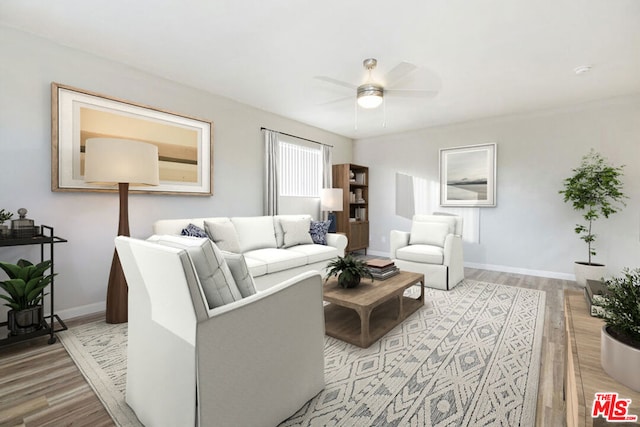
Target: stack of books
382, 268
596, 292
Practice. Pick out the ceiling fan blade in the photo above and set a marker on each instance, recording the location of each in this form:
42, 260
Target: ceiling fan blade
411, 93
336, 82
336, 101
398, 72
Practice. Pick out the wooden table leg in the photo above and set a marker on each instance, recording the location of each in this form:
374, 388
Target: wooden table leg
365, 336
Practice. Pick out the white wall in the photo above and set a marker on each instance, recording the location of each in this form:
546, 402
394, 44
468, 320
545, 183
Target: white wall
89, 220
531, 229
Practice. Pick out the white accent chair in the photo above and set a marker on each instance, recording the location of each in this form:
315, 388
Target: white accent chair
252, 362
433, 247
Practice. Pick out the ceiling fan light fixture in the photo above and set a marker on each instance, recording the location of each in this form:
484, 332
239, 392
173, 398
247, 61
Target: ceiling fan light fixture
370, 95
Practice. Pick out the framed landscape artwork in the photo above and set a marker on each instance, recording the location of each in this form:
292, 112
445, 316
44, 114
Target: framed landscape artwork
468, 176
185, 144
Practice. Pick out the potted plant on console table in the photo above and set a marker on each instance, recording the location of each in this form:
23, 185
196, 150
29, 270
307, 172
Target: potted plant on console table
25, 291
620, 336
594, 189
4, 216
349, 271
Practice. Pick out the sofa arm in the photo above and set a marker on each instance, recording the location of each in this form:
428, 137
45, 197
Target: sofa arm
338, 241
397, 239
261, 358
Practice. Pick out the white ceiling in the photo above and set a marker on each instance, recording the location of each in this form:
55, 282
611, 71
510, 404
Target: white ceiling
492, 57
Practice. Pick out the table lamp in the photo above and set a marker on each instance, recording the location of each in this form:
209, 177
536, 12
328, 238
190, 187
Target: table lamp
331, 200
110, 161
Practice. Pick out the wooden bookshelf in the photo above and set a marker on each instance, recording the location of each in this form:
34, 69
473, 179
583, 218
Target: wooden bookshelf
353, 221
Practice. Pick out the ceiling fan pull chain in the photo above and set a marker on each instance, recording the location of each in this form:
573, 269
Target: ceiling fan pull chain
355, 126
384, 112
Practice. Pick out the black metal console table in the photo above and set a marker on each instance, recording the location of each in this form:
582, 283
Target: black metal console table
48, 326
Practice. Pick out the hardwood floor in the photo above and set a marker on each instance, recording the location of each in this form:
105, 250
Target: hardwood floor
41, 386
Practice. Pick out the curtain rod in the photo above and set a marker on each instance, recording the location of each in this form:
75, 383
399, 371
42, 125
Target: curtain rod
299, 137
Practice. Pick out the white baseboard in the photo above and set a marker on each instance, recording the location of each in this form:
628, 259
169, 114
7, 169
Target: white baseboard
97, 307
502, 268
525, 271
70, 313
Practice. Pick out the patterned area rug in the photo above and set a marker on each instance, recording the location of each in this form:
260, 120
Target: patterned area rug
469, 357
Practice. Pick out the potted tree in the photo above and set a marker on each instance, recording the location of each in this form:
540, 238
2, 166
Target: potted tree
4, 216
594, 189
349, 271
620, 336
25, 291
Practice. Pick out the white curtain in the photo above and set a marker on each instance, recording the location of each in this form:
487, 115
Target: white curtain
327, 172
415, 195
271, 154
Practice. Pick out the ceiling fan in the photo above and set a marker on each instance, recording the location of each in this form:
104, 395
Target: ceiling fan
371, 93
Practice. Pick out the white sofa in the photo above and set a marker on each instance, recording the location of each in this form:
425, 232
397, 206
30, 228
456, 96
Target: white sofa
252, 362
433, 247
274, 252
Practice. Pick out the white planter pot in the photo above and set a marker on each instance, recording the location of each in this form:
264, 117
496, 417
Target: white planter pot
585, 271
620, 360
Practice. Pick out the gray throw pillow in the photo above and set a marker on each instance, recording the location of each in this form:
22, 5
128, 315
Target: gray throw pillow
240, 272
223, 235
218, 284
296, 232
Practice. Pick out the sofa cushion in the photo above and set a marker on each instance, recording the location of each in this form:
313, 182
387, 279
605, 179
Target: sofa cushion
278, 227
316, 253
256, 267
296, 232
318, 231
240, 273
223, 234
421, 253
217, 282
255, 232
278, 259
428, 233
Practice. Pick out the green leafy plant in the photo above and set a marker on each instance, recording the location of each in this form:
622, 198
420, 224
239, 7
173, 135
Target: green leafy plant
26, 283
349, 271
595, 189
622, 307
4, 216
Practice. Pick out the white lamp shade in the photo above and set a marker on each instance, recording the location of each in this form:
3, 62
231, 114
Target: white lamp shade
369, 101
331, 199
112, 161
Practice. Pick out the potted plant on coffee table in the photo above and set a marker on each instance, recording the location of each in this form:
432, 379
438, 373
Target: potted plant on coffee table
594, 189
620, 336
349, 270
24, 289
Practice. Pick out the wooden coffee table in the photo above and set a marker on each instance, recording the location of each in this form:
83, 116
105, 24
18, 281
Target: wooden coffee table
362, 315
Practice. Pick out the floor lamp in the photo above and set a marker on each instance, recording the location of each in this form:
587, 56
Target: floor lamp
331, 200
110, 161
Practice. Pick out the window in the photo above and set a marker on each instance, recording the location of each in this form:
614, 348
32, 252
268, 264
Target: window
300, 170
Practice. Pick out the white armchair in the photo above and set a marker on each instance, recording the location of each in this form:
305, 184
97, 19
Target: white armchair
252, 362
433, 247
